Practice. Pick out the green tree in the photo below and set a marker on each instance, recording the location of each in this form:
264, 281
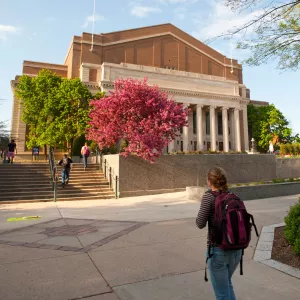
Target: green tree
265, 122
276, 31
55, 109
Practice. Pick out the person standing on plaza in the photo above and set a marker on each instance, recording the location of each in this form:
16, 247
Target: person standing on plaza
66, 168
85, 152
229, 232
12, 149
271, 147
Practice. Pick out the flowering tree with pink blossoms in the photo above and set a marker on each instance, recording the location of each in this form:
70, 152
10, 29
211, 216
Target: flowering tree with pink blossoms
138, 113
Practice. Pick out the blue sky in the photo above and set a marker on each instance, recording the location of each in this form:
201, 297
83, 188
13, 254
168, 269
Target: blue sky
41, 30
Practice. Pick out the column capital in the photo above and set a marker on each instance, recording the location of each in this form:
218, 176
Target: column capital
225, 108
237, 109
200, 105
212, 107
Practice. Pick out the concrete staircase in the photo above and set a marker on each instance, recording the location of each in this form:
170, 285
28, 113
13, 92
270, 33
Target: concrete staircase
32, 182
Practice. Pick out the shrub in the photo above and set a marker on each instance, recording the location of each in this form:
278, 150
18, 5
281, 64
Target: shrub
292, 228
289, 149
297, 148
283, 150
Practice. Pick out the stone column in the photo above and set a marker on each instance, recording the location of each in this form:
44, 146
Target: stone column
213, 135
171, 146
246, 135
186, 133
199, 127
225, 129
237, 129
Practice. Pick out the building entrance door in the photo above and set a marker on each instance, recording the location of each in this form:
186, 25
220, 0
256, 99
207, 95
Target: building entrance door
221, 146
208, 146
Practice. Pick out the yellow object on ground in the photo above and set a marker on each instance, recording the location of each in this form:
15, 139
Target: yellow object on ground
23, 218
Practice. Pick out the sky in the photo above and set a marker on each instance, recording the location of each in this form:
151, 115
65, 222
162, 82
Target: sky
41, 30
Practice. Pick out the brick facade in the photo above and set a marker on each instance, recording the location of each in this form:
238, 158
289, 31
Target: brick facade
169, 57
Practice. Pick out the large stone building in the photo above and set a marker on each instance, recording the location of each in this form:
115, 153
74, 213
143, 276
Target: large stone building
195, 74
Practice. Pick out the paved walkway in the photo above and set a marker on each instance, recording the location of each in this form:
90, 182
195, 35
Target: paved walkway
141, 248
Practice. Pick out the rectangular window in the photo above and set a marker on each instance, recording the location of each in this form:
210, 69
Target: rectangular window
220, 124
181, 130
194, 122
181, 146
209, 68
207, 122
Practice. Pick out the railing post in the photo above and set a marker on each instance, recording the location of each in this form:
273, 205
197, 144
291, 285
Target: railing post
96, 155
101, 163
55, 188
105, 168
116, 188
110, 181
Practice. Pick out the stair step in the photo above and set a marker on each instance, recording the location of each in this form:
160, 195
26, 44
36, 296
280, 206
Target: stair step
32, 182
50, 195
59, 199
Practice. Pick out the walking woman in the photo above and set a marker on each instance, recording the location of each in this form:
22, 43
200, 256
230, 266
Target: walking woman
221, 264
85, 152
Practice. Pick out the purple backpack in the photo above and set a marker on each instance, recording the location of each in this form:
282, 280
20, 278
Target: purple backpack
232, 224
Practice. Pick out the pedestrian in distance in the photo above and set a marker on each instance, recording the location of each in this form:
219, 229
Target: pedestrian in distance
85, 152
12, 149
66, 168
229, 232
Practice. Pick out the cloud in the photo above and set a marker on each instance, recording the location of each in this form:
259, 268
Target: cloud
221, 20
6, 30
90, 19
143, 11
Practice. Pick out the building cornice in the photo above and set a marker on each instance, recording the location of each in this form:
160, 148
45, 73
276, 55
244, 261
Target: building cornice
45, 66
110, 85
156, 70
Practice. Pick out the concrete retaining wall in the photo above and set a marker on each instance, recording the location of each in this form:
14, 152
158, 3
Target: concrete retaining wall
267, 190
176, 172
287, 167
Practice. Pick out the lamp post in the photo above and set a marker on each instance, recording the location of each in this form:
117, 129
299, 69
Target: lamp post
252, 145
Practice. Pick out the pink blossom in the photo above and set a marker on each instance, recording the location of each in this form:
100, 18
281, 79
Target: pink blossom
138, 113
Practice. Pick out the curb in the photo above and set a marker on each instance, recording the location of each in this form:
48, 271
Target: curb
263, 252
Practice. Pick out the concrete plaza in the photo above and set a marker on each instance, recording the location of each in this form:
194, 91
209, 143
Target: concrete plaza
141, 248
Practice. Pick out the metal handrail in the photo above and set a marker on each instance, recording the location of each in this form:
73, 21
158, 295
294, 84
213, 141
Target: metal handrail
109, 174
53, 172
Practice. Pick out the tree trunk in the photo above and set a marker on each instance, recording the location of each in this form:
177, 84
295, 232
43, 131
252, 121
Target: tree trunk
45, 152
71, 146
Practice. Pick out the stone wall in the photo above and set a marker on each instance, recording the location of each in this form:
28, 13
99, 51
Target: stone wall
175, 173
287, 167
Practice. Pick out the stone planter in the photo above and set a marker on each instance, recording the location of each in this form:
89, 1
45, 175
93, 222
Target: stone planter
195, 192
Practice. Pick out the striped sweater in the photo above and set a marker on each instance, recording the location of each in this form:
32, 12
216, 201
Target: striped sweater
206, 215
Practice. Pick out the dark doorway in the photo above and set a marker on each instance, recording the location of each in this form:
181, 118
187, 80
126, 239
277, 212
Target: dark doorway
221, 147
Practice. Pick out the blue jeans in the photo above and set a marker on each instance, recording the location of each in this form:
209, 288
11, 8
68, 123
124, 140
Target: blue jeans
65, 175
85, 158
221, 267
